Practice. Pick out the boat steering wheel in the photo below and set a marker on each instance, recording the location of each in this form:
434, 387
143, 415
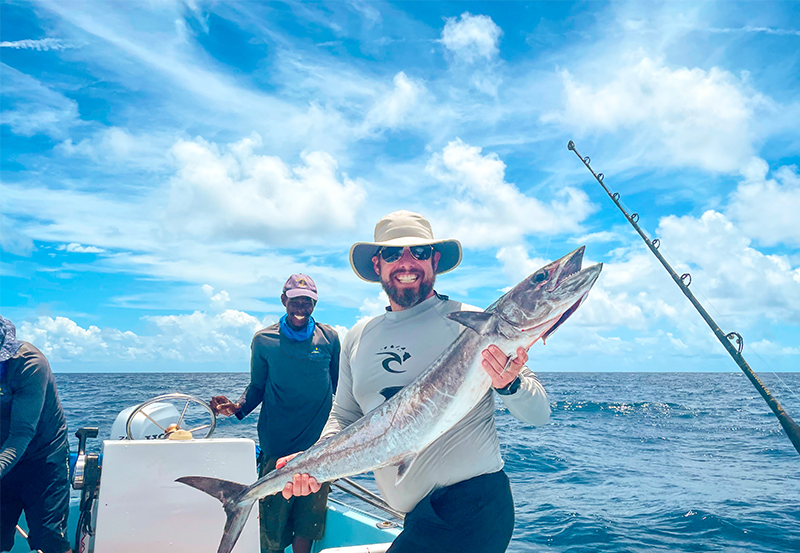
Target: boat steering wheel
177, 424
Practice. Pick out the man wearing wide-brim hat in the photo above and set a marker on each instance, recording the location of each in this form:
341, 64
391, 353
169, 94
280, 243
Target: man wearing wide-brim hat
456, 495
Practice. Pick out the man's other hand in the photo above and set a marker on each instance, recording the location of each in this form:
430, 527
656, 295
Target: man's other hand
301, 484
223, 406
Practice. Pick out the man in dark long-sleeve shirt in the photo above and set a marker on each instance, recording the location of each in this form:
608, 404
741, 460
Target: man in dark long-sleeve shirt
34, 453
294, 370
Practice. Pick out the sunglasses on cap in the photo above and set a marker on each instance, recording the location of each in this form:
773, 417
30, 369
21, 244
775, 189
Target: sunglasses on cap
391, 254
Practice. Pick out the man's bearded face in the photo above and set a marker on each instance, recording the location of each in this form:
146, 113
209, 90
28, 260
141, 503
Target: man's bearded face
407, 296
408, 281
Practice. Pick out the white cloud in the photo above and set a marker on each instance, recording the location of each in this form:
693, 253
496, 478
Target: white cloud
203, 337
341, 331
197, 337
233, 192
686, 117
374, 305
367, 11
471, 37
61, 215
115, 145
596, 237
219, 300
739, 285
739, 279
42, 44
767, 209
61, 338
516, 263
78, 248
485, 210
767, 347
12, 240
487, 82
393, 109
31, 108
751, 29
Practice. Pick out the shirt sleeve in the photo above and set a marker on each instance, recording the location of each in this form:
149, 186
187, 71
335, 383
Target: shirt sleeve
259, 369
345, 410
529, 403
26, 409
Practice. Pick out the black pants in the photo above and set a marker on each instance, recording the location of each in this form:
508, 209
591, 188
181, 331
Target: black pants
40, 487
476, 515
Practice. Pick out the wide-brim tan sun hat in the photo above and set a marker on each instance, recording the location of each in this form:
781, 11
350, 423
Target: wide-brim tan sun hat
402, 228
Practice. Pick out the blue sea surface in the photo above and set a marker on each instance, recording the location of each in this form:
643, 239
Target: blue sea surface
628, 462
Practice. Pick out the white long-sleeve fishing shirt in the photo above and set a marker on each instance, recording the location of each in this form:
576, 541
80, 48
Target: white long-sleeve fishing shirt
391, 351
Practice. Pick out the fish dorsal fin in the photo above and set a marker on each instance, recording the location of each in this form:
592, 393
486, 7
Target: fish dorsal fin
402, 468
476, 320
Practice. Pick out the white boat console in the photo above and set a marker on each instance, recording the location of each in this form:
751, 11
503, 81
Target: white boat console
140, 507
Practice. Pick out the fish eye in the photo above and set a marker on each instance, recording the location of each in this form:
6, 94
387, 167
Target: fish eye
539, 277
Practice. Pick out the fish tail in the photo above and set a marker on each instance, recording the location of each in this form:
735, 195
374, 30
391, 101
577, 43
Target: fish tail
237, 517
229, 494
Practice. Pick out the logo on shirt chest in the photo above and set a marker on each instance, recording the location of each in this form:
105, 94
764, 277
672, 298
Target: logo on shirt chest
393, 358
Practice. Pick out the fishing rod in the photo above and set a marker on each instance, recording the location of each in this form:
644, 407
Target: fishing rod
683, 282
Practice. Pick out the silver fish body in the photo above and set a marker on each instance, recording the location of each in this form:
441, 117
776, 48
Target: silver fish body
399, 429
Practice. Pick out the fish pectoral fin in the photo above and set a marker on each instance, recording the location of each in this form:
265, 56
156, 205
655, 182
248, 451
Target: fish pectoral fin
476, 320
402, 468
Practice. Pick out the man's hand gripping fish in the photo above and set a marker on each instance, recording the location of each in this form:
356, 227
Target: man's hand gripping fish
399, 429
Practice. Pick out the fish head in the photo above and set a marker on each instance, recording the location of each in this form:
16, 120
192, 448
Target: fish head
541, 303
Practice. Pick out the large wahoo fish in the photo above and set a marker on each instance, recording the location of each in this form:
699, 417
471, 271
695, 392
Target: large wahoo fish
395, 432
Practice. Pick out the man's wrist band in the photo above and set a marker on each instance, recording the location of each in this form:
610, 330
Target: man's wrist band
510, 388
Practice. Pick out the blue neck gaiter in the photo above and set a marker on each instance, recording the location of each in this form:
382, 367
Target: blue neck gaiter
297, 335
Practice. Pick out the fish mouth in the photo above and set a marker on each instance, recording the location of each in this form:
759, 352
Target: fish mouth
564, 316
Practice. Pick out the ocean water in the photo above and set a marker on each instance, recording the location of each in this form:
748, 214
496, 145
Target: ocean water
628, 462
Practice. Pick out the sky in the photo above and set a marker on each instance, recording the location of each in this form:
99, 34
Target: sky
167, 164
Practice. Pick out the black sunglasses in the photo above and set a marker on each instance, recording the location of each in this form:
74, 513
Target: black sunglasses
391, 254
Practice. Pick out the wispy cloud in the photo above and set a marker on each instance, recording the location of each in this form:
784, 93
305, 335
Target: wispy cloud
30, 107
750, 29
42, 44
398, 106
